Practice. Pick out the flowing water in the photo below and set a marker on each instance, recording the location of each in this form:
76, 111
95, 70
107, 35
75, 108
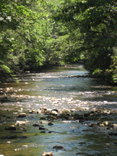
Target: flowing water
57, 89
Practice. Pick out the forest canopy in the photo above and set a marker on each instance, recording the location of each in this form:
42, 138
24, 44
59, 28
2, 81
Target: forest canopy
40, 33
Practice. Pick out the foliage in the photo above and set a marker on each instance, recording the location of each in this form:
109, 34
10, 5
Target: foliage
97, 23
27, 35
20, 45
38, 33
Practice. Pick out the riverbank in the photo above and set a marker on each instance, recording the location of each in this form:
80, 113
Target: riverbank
99, 75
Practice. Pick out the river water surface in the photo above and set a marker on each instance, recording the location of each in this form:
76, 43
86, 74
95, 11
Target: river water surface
59, 89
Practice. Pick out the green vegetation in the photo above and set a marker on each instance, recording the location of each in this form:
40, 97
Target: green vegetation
41, 33
97, 40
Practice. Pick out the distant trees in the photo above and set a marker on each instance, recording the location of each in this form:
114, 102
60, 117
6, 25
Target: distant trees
36, 33
97, 23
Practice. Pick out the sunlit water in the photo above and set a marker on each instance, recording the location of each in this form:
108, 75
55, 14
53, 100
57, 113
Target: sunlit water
55, 89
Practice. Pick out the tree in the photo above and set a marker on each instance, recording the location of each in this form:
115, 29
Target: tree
97, 22
19, 35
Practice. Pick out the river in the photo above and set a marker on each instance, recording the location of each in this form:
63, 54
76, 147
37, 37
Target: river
58, 89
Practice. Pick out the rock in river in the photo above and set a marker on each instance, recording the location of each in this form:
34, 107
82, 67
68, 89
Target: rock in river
114, 126
47, 154
59, 147
12, 127
14, 137
41, 127
21, 115
50, 123
36, 125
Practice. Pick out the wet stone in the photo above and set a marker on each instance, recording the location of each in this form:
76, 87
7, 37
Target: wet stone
51, 117
92, 124
18, 123
12, 127
36, 125
106, 123
54, 113
82, 143
42, 131
25, 146
114, 126
55, 110
47, 154
41, 127
107, 144
14, 137
33, 112
42, 118
113, 133
21, 115
51, 132
50, 123
43, 110
103, 123
59, 147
